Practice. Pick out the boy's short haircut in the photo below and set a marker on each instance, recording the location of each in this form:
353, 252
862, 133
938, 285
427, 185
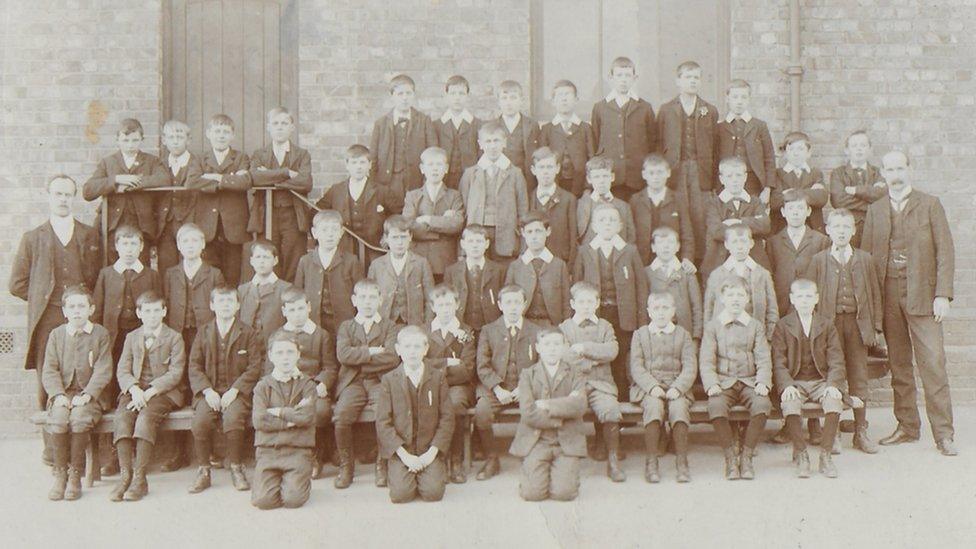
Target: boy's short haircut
475, 229
176, 126
623, 63
190, 228
365, 285
402, 80
565, 84
327, 216
411, 330
511, 289
59, 176
605, 206
663, 232
77, 289
847, 140
280, 110
282, 336
657, 297
737, 229
128, 231
687, 66
543, 153
441, 290
734, 281
357, 151
655, 159
223, 289
534, 217
795, 195
840, 212
584, 287
130, 126
598, 163
546, 332
431, 152
795, 137
266, 245
803, 284
150, 297
291, 295
736, 84
510, 86
396, 223
457, 80
731, 162
493, 127
222, 120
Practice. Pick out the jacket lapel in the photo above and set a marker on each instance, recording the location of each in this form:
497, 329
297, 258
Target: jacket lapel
751, 126
561, 374
139, 353
586, 208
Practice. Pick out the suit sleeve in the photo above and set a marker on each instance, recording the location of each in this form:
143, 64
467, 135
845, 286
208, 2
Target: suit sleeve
630, 231
764, 365
158, 176
239, 183
532, 415
99, 297
686, 232
758, 222
707, 358
640, 370
769, 159
689, 366
123, 372
604, 350
177, 364
197, 365
301, 183
51, 374
713, 219
255, 362
260, 418
708, 303
817, 196
374, 149
597, 124
20, 271
772, 312
521, 197
299, 282
386, 434
572, 223
695, 301
641, 285
445, 420
945, 255
571, 406
387, 359
303, 414
449, 224
486, 370
99, 184
565, 282
651, 126
780, 357
101, 359
874, 287
350, 352
330, 368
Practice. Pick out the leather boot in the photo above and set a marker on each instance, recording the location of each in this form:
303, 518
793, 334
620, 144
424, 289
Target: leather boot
73, 490
827, 467
651, 472
731, 464
862, 441
344, 476
456, 468
746, 470
612, 435
489, 469
139, 486
238, 478
815, 431
125, 479
111, 468
599, 451
60, 483
683, 472
382, 473
202, 482
802, 461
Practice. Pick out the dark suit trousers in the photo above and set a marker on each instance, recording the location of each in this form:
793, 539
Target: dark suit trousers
226, 256
429, 484
855, 354
290, 240
51, 318
142, 424
167, 254
282, 477
689, 186
921, 334
619, 365
354, 398
549, 473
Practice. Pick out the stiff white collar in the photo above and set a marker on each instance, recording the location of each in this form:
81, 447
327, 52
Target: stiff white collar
475, 263
657, 197
371, 320
670, 266
543, 194
517, 325
220, 156
726, 197
601, 197
224, 326
414, 374
573, 119
798, 170
356, 188
434, 191
191, 267
805, 322
64, 228
399, 263
689, 108
457, 118
512, 122
733, 266
308, 327
842, 254
176, 163
398, 116
121, 268
667, 329
616, 242
726, 318
445, 327
622, 99
258, 280
746, 117
545, 255
899, 197
87, 328
326, 257
286, 377
502, 163
579, 319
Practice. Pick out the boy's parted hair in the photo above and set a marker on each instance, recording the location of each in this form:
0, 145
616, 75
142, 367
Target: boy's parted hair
224, 120
565, 84
431, 152
623, 63
658, 297
59, 176
128, 231
291, 295
511, 289
534, 217
598, 163
734, 281
457, 80
365, 285
838, 213
77, 289
357, 151
847, 140
605, 207
543, 153
190, 228
280, 110
176, 126
655, 159
803, 284
324, 216
736, 84
129, 126
223, 289
493, 127
546, 332
150, 297
687, 66
402, 80
266, 245
441, 290
510, 86
737, 229
396, 223
795, 195
664, 232
475, 228
411, 330
731, 162
795, 137
584, 287
282, 336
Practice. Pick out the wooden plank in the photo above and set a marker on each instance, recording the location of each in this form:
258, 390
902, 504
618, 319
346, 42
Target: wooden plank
251, 125
195, 115
232, 70
289, 59
272, 65
212, 56
176, 53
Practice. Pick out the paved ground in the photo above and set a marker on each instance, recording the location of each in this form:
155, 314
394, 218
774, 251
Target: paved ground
907, 496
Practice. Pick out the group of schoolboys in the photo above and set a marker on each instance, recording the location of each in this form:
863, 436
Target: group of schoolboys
522, 263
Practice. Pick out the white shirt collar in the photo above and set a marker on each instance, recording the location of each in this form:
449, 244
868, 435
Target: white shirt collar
805, 323
614, 96
285, 378
451, 325
64, 227
259, 280
547, 195
397, 117
146, 334
899, 197
281, 150
130, 161
616, 242
502, 163
657, 197
688, 109
726, 197
371, 320
545, 255
671, 266
223, 327
517, 325
457, 118
176, 163
732, 265
220, 156
842, 254
573, 119
790, 168
191, 267
668, 329
356, 188
308, 327
414, 375
512, 122
472, 263
858, 167
122, 267
399, 263
796, 234
725, 318
578, 319
601, 197
551, 370
434, 192
746, 117
87, 328
326, 257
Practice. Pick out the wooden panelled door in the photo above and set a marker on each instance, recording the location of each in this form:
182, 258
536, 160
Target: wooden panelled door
237, 57
578, 39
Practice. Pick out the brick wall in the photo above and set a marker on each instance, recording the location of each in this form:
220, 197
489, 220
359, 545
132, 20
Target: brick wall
70, 73
904, 73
